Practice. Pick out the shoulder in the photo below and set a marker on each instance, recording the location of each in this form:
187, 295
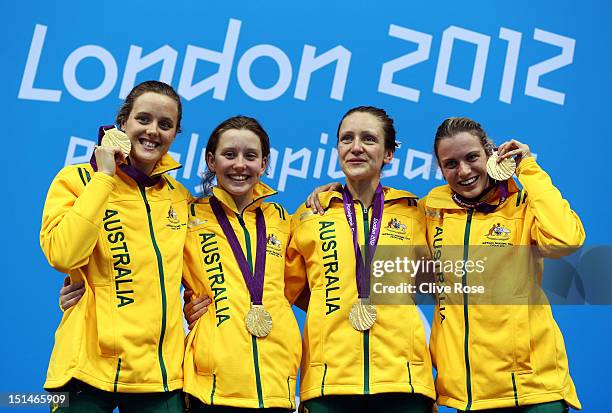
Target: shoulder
176, 187
275, 211
79, 173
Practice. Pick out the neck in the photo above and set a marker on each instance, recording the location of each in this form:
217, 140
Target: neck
242, 201
146, 169
363, 190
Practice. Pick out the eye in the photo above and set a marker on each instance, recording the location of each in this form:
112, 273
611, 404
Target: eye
166, 125
450, 164
229, 154
472, 157
370, 139
346, 138
251, 156
143, 119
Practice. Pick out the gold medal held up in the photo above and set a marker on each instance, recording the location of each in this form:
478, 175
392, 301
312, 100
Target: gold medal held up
362, 316
115, 138
501, 171
258, 321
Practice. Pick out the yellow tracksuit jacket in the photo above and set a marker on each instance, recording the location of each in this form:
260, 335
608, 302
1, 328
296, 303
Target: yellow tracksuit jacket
510, 353
224, 364
126, 242
338, 360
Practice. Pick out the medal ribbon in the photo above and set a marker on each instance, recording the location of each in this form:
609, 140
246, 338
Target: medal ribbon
481, 206
254, 279
363, 269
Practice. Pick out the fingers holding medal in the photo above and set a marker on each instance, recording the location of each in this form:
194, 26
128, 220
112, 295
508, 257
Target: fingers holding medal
114, 148
500, 170
114, 138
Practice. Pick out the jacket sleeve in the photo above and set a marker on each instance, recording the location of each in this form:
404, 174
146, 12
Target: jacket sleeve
72, 218
556, 230
295, 266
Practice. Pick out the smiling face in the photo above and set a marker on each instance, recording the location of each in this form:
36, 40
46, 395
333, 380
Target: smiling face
151, 127
361, 147
238, 164
463, 161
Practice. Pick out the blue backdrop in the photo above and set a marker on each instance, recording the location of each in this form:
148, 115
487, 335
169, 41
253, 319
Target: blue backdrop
539, 72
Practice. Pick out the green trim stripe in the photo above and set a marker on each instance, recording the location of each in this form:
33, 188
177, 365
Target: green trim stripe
289, 392
247, 239
366, 362
81, 176
518, 197
281, 212
468, 374
87, 175
160, 268
214, 387
257, 373
323, 381
516, 403
524, 197
366, 334
410, 377
192, 209
117, 374
168, 182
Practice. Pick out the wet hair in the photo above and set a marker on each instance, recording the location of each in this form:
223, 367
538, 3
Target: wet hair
236, 122
452, 126
145, 87
386, 121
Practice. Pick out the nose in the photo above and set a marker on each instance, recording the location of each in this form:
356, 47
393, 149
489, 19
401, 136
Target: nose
239, 162
357, 146
152, 129
464, 170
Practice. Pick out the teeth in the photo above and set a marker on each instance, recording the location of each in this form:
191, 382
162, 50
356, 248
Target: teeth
240, 177
469, 181
148, 144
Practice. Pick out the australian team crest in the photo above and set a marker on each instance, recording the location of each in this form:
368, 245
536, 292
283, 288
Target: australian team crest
173, 219
273, 245
172, 216
396, 229
396, 225
498, 232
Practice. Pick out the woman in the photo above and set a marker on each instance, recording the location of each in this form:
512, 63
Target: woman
235, 253
244, 353
506, 354
119, 226
350, 363
500, 352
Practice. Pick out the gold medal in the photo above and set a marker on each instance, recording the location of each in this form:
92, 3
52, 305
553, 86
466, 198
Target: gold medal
115, 138
501, 171
362, 316
258, 321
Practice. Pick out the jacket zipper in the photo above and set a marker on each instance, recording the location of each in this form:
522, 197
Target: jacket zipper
247, 239
160, 268
366, 334
468, 375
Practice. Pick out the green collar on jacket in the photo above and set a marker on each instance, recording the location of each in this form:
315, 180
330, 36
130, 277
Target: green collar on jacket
260, 192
